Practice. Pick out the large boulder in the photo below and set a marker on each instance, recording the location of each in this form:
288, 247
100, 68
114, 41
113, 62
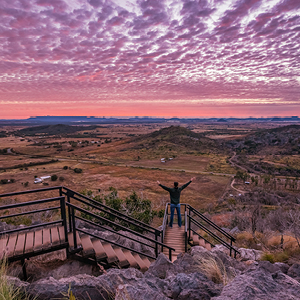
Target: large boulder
161, 268
250, 254
84, 286
127, 291
294, 271
195, 286
259, 283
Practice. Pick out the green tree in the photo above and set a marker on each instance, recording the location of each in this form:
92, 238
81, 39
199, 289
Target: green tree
54, 177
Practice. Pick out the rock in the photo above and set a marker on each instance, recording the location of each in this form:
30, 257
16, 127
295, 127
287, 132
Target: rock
195, 286
250, 254
250, 262
259, 283
161, 268
283, 267
84, 286
140, 292
234, 230
4, 226
294, 271
220, 247
266, 265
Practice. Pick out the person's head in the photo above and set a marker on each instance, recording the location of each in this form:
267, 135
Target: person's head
175, 185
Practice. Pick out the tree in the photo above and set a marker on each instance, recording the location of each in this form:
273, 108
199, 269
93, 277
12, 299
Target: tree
293, 223
54, 177
277, 222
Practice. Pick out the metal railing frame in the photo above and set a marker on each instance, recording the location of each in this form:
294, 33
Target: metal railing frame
189, 220
65, 198
156, 243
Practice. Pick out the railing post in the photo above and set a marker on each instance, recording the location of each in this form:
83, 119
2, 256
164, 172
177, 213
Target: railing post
230, 247
162, 240
63, 216
170, 254
189, 217
69, 212
156, 245
74, 227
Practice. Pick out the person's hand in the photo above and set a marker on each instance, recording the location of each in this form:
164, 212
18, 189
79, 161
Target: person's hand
193, 178
158, 182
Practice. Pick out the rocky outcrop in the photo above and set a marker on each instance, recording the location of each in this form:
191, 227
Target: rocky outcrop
261, 281
188, 278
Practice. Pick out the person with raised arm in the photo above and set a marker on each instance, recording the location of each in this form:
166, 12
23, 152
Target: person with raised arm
175, 199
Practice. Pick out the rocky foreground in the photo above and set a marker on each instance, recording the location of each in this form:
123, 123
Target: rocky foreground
196, 275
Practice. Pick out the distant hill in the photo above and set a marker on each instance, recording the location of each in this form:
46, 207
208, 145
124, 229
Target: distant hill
280, 140
58, 129
177, 138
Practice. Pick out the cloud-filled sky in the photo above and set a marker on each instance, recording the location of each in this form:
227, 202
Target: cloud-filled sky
149, 57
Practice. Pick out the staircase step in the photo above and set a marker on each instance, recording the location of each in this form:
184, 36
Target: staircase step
100, 253
87, 246
146, 261
71, 240
3, 243
142, 265
202, 242
111, 254
195, 239
123, 262
133, 263
208, 246
54, 236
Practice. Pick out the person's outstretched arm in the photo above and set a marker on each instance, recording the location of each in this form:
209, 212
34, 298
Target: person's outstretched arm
185, 185
164, 187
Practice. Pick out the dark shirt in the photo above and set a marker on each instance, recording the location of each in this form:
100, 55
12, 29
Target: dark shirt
175, 192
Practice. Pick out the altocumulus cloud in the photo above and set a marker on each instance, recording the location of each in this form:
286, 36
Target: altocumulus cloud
156, 50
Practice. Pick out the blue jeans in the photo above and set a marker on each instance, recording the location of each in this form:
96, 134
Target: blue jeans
173, 206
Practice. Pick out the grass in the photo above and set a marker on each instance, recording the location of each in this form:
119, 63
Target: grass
7, 290
215, 270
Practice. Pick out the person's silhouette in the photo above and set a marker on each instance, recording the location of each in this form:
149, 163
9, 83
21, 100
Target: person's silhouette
175, 199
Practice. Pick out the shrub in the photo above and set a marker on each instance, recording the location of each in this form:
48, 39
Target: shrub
54, 177
65, 167
78, 170
61, 178
268, 257
4, 181
26, 183
161, 213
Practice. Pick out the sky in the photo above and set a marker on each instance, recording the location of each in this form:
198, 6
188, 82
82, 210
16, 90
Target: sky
202, 58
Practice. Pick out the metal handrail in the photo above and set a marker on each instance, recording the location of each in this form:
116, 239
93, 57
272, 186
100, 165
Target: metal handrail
185, 231
115, 224
165, 221
31, 227
111, 214
211, 223
112, 211
213, 235
31, 191
16, 205
111, 230
207, 241
29, 212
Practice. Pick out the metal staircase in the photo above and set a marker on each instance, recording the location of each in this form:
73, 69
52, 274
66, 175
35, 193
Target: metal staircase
72, 231
194, 227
